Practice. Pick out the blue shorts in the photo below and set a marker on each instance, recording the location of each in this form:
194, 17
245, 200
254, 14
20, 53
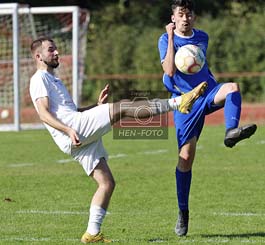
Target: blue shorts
190, 125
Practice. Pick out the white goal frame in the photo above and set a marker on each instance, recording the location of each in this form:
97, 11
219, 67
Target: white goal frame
15, 10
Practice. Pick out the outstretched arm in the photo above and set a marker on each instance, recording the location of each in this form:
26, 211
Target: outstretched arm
46, 117
102, 99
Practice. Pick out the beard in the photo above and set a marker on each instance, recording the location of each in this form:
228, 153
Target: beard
52, 64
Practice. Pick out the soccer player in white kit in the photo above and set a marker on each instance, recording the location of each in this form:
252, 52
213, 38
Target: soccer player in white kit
78, 131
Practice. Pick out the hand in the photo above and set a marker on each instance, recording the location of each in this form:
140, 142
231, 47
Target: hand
103, 96
170, 29
74, 137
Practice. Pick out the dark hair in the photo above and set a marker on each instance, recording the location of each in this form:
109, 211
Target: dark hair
38, 42
187, 4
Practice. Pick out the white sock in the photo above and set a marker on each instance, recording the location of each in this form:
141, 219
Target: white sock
96, 217
174, 102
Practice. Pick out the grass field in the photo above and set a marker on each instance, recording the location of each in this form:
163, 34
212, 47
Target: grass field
45, 195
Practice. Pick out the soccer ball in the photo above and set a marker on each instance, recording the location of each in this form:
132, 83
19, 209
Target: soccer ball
189, 59
4, 114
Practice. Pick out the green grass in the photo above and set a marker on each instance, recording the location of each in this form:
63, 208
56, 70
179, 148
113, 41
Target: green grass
50, 199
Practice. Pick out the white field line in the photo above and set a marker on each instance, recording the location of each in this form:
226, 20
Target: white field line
199, 147
186, 241
19, 165
70, 160
159, 151
33, 239
62, 161
56, 212
153, 152
243, 143
238, 214
121, 155
219, 241
260, 142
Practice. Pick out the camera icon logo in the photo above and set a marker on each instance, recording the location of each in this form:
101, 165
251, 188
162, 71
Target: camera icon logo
147, 108
144, 121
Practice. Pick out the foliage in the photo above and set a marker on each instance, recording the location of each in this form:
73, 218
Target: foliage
235, 46
123, 37
124, 40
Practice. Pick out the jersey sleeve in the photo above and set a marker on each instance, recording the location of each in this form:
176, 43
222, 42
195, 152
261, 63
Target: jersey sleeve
162, 46
206, 42
38, 87
170, 85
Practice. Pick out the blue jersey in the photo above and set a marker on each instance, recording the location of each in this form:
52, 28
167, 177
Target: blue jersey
180, 80
190, 125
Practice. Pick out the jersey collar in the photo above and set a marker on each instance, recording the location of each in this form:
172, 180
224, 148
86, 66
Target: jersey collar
184, 36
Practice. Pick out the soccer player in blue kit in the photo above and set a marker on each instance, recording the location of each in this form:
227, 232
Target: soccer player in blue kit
180, 32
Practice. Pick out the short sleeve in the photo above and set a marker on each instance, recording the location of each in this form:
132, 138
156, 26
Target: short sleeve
162, 46
38, 87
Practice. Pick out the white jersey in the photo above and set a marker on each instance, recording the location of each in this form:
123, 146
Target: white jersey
61, 105
90, 125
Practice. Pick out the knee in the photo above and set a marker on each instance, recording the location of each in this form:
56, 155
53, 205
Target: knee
185, 163
108, 185
112, 185
233, 87
117, 112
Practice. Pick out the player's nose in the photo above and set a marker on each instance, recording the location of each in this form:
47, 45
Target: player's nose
56, 52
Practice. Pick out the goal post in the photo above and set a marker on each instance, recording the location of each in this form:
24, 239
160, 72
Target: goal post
13, 11
20, 25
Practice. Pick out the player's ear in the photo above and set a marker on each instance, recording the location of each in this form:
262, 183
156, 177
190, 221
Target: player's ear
173, 18
37, 56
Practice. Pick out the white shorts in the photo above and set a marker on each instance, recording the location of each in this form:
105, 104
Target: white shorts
91, 125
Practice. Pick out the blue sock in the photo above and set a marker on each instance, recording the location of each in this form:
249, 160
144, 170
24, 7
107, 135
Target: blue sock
232, 110
183, 181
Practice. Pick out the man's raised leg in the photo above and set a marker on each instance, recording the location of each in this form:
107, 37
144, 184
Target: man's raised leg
181, 103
